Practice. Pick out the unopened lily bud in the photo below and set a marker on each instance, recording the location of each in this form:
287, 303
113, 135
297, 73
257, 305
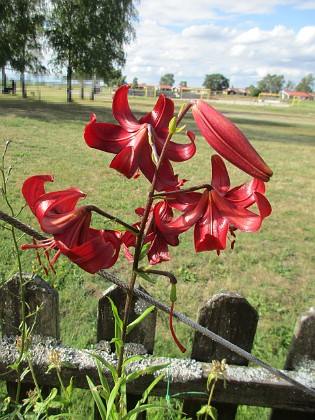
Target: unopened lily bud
173, 296
172, 125
229, 141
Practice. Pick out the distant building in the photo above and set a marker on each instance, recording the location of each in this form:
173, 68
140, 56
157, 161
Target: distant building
302, 96
236, 91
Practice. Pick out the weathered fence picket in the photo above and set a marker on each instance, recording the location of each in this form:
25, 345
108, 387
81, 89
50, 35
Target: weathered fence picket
42, 305
301, 352
233, 318
227, 314
143, 334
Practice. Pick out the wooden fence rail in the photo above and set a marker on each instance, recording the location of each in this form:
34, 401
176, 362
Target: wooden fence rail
227, 314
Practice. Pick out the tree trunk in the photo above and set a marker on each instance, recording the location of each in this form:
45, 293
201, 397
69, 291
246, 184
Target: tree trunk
93, 89
82, 89
23, 85
4, 80
69, 84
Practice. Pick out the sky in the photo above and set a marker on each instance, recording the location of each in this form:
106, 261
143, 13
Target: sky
242, 39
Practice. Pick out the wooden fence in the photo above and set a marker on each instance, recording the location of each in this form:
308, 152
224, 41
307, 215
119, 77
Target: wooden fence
227, 314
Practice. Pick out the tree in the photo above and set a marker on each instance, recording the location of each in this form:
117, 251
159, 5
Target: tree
183, 83
216, 82
271, 83
290, 85
4, 39
167, 79
134, 83
253, 90
306, 84
88, 36
22, 23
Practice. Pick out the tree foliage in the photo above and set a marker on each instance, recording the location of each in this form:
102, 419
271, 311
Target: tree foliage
253, 90
306, 84
271, 83
167, 79
21, 25
88, 36
216, 82
135, 83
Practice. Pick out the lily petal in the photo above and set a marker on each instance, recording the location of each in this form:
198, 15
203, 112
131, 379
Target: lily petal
220, 177
121, 110
33, 188
107, 137
99, 252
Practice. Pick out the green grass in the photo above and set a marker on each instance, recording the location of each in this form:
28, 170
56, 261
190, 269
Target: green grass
273, 269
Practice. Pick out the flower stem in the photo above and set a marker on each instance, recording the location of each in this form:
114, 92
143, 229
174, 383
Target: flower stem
184, 190
110, 217
179, 344
140, 238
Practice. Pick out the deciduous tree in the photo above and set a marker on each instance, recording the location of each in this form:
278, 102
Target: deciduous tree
22, 23
167, 79
272, 83
88, 36
306, 84
216, 82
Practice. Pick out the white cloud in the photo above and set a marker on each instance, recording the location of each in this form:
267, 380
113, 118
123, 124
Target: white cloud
193, 39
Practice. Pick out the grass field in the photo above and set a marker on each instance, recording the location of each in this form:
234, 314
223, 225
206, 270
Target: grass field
274, 268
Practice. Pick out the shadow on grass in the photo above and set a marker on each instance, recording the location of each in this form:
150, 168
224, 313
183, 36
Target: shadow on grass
259, 129
51, 112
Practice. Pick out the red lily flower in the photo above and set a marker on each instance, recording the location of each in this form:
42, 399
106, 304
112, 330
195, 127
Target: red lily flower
220, 210
132, 140
158, 251
229, 141
89, 248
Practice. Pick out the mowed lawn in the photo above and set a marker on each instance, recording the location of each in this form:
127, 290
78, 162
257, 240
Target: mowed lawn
273, 268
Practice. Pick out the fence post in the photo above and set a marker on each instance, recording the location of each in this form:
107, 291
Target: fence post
144, 333
229, 315
301, 352
45, 322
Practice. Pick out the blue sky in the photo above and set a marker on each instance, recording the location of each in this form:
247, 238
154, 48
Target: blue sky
242, 39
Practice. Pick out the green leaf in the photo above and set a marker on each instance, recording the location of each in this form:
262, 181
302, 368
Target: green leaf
149, 389
69, 388
212, 412
103, 378
134, 375
111, 408
145, 276
131, 359
24, 373
111, 368
118, 341
132, 414
144, 251
140, 318
118, 320
211, 378
98, 400
202, 411
155, 368
209, 410
178, 130
69, 365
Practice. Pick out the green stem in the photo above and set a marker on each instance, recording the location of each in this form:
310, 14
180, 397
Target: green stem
139, 244
34, 378
22, 289
210, 396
